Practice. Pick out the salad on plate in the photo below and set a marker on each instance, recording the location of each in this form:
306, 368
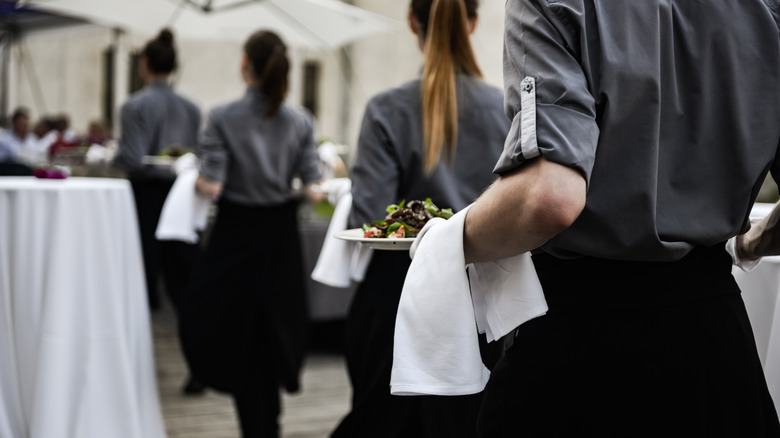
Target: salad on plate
405, 220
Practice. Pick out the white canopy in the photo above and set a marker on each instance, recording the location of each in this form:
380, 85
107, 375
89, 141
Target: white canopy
319, 24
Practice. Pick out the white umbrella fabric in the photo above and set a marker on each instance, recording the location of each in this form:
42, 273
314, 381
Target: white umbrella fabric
317, 24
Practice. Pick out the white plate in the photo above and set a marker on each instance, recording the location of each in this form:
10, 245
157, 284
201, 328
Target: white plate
356, 235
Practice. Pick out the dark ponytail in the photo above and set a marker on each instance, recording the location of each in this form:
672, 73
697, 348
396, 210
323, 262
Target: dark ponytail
267, 55
160, 54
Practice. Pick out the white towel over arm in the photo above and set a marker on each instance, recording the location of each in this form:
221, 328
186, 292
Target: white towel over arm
340, 262
436, 347
185, 211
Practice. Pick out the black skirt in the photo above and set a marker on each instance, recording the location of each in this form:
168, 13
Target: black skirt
370, 332
633, 349
244, 317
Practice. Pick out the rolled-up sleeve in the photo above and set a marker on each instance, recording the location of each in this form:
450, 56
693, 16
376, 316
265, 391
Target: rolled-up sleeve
546, 92
211, 150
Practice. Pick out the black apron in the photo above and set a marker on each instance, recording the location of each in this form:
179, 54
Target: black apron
633, 349
244, 317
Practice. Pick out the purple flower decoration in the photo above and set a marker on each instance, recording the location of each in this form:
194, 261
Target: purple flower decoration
49, 174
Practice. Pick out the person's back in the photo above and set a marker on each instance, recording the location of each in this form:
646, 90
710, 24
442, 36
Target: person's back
257, 156
684, 101
155, 119
396, 174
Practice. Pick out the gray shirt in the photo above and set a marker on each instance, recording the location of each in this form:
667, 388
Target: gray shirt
389, 163
670, 109
257, 156
153, 119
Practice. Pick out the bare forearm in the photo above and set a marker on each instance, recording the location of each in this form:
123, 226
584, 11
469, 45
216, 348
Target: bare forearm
763, 238
523, 210
208, 187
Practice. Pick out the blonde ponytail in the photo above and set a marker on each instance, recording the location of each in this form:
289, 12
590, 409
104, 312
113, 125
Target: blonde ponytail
447, 49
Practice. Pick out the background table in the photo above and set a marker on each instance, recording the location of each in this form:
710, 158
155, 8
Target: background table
76, 357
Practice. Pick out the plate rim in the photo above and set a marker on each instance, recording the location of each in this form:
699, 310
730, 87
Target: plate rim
399, 244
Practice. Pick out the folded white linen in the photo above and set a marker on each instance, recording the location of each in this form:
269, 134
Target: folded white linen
97, 154
340, 262
442, 310
185, 211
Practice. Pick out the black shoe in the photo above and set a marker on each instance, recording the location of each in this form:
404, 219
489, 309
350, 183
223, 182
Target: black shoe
193, 387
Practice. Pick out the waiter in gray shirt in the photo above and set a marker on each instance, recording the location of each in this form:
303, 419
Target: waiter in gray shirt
642, 131
244, 324
399, 158
153, 120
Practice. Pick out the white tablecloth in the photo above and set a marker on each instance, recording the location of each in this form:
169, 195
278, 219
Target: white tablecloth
760, 292
76, 358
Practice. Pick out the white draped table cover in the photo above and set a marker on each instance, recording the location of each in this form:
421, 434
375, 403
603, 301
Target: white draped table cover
76, 355
760, 291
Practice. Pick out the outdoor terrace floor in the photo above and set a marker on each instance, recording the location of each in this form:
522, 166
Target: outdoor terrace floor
312, 413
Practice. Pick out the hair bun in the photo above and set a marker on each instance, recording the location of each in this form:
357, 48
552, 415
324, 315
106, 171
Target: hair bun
165, 36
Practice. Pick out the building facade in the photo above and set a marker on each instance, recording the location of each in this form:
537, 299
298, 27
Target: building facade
87, 71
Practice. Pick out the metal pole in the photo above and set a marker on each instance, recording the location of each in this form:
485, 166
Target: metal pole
109, 78
5, 42
346, 102
347, 78
345, 63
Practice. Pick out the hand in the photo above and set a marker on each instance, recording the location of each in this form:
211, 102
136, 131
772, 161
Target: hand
314, 196
736, 248
209, 188
761, 240
428, 225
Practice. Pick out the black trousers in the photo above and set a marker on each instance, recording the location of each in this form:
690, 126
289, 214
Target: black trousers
258, 402
369, 353
243, 325
170, 260
633, 350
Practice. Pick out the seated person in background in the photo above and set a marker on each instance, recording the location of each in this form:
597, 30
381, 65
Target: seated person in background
98, 133
65, 137
47, 134
18, 144
67, 134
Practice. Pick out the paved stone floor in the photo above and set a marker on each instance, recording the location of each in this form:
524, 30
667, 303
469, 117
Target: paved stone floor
312, 413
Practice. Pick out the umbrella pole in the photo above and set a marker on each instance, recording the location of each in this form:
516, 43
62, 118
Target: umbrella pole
345, 55
5, 47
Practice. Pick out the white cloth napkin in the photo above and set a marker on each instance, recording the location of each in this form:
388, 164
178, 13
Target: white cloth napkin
97, 154
436, 349
340, 262
185, 211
